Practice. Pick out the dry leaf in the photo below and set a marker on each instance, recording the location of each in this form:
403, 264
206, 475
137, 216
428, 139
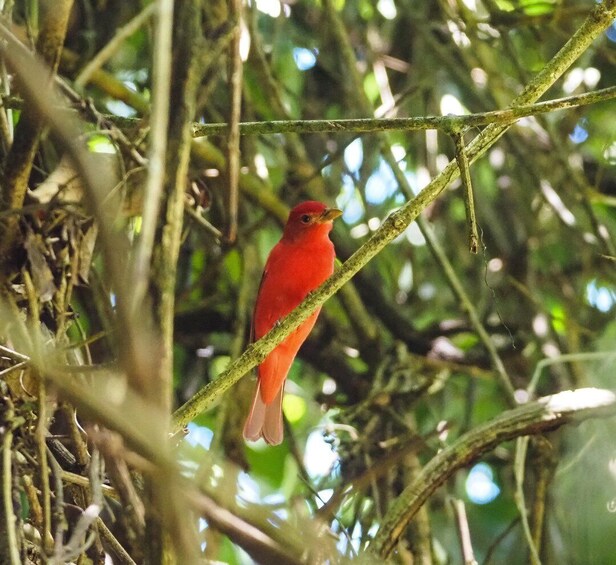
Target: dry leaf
42, 276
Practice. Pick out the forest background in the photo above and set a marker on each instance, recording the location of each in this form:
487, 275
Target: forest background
150, 154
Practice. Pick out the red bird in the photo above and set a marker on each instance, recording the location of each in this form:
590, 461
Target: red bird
299, 263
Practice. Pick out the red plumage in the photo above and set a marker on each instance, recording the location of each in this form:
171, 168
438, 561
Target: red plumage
299, 263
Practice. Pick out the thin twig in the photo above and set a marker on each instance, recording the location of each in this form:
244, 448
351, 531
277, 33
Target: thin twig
10, 520
520, 499
41, 434
247, 536
567, 358
467, 304
111, 446
15, 355
507, 116
233, 135
494, 546
79, 541
89, 111
41, 425
544, 457
122, 33
75, 433
203, 223
464, 532
158, 146
36, 512
58, 510
84, 482
467, 187
120, 553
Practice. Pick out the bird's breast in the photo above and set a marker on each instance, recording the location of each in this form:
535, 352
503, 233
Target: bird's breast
307, 268
292, 271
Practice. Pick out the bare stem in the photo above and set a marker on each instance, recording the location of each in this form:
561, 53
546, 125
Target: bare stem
233, 135
115, 43
10, 551
467, 187
158, 146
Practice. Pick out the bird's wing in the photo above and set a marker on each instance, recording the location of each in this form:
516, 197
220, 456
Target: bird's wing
254, 309
272, 300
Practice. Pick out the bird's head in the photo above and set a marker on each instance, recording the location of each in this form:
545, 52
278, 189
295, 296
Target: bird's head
310, 217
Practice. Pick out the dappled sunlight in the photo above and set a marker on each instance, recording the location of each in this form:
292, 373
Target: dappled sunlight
480, 485
319, 457
171, 173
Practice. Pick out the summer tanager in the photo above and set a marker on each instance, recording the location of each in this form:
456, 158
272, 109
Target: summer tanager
299, 263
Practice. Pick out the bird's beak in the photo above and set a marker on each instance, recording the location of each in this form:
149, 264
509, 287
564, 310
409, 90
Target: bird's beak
329, 215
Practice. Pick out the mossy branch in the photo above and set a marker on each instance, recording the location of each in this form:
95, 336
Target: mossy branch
545, 414
181, 100
599, 19
368, 125
443, 123
20, 158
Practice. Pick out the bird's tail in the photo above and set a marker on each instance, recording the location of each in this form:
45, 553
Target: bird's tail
265, 420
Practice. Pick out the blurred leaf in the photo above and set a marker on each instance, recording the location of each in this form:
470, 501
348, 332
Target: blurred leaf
532, 8
42, 276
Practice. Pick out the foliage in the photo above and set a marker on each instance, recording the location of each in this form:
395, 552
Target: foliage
131, 252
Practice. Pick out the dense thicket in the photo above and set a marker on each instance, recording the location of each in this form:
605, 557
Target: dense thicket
132, 239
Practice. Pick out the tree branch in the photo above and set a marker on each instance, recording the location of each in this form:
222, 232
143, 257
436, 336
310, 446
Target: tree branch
116, 42
179, 96
443, 123
19, 160
371, 125
545, 414
142, 257
600, 18
235, 110
433, 243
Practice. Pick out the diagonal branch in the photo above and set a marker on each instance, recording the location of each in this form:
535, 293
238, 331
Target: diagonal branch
116, 42
545, 414
599, 19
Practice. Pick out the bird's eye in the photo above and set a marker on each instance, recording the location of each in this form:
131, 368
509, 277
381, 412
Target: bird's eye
305, 219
